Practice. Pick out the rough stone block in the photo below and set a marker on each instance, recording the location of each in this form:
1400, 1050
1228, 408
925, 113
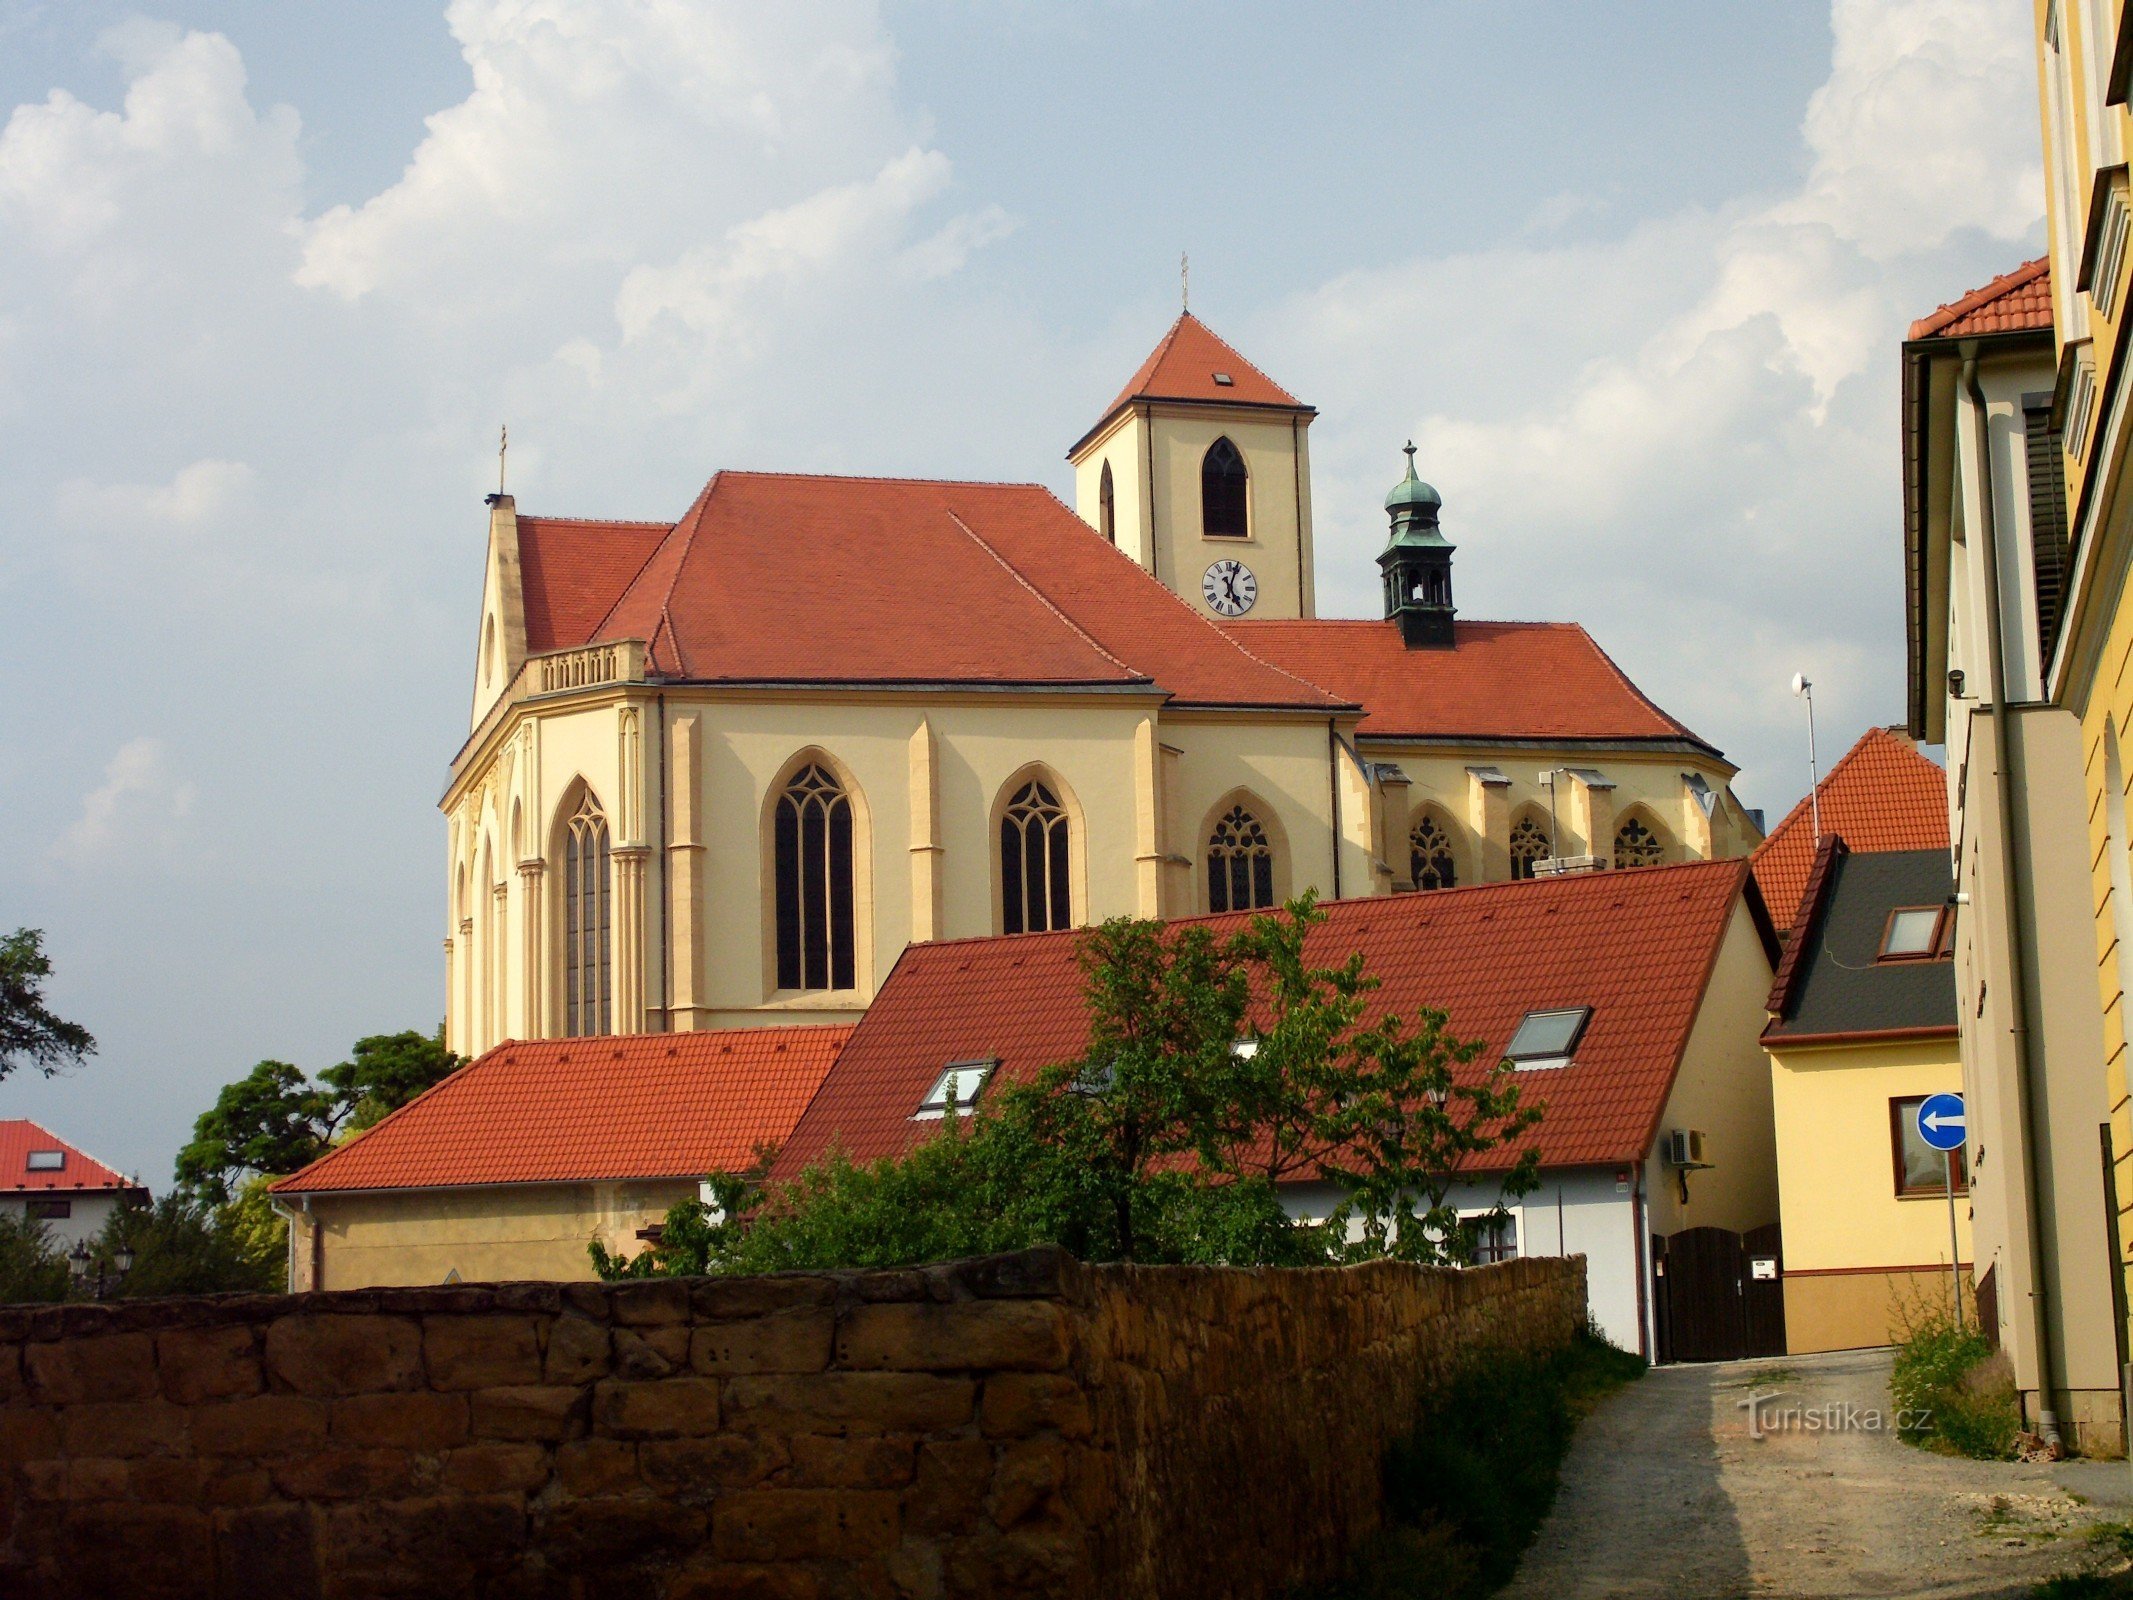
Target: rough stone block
790, 1341
648, 1303
351, 1475
28, 1433
948, 1496
695, 1469
668, 1407
198, 1480
13, 1386
719, 1299
333, 1354
982, 1335
497, 1469
264, 1425
197, 1364
828, 1462
1039, 1273
850, 1402
481, 1352
111, 1366
124, 1428
408, 1420
444, 1543
727, 1582
583, 1536
1026, 1481
265, 1553
804, 1525
114, 1548
528, 1411
577, 1351
588, 1467
1020, 1403
651, 1352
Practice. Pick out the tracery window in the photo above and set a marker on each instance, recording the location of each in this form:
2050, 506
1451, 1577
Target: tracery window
1223, 492
1637, 846
587, 957
1034, 895
811, 846
1240, 864
1529, 844
1107, 506
1430, 864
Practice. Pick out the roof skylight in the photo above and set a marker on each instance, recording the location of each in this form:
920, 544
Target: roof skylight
48, 1161
956, 1089
1547, 1038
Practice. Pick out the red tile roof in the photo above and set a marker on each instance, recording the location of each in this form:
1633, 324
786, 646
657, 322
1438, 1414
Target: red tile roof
2015, 302
573, 571
635, 1106
1500, 680
932, 582
1638, 947
79, 1170
1882, 795
1183, 366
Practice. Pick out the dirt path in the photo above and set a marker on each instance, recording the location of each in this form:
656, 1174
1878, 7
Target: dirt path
1667, 1493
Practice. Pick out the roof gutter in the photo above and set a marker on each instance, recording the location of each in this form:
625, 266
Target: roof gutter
2012, 875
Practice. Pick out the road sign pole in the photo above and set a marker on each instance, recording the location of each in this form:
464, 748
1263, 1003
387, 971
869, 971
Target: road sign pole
1955, 1271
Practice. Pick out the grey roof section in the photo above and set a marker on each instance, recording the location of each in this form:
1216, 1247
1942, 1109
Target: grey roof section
1845, 988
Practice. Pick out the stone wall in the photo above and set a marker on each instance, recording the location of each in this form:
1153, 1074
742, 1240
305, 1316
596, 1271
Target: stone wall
1019, 1425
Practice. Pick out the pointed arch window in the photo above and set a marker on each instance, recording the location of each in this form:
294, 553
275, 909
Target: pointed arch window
1240, 864
1034, 895
1529, 845
1429, 853
1223, 492
1107, 506
812, 844
1637, 846
587, 943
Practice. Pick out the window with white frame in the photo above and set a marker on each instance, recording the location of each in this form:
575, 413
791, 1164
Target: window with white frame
1547, 1038
1487, 1237
955, 1090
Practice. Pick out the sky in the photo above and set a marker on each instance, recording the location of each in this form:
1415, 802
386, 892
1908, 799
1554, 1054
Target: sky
273, 273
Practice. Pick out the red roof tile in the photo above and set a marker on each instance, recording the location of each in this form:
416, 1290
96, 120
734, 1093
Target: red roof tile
78, 1169
1500, 680
657, 1105
573, 571
1184, 365
934, 583
2015, 302
1636, 946
1882, 795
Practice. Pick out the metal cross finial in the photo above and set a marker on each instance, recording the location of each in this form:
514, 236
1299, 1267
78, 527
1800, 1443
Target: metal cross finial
1184, 282
1410, 455
503, 444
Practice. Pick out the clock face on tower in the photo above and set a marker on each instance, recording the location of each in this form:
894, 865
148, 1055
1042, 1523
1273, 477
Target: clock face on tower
1229, 588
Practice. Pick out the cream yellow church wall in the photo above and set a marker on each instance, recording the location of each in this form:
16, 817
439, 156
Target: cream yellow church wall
486, 1234
1836, 1159
1278, 465
1282, 765
1122, 447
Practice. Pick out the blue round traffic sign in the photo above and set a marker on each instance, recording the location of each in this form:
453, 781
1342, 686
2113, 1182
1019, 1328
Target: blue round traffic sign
1940, 1121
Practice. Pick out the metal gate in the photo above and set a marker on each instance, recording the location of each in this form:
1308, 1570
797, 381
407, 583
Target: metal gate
1720, 1295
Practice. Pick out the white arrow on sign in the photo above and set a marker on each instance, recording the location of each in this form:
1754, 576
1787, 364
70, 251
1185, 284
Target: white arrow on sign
1934, 1121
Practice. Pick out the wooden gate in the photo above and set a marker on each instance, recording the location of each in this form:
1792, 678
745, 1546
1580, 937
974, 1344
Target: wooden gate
1720, 1295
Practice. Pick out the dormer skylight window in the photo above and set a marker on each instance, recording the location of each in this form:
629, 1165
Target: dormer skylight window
1918, 933
1225, 380
1244, 1049
48, 1161
1547, 1038
956, 1089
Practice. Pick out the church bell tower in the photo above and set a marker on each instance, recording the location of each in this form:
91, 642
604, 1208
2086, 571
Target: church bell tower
1417, 564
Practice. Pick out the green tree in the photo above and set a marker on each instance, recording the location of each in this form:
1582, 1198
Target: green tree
180, 1246
274, 1119
30, 1035
30, 1268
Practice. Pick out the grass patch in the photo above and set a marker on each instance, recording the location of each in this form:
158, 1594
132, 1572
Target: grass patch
1467, 1492
1953, 1391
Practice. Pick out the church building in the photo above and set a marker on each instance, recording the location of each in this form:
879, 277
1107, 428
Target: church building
722, 771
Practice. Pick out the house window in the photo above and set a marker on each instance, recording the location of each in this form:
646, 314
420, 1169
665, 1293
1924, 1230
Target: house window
586, 942
1637, 846
1529, 845
1547, 1038
956, 1090
1223, 492
1921, 1169
48, 1210
47, 1161
1918, 933
1488, 1237
812, 849
1034, 896
1107, 506
1429, 856
1240, 864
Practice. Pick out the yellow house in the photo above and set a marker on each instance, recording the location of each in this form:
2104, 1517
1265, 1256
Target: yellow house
721, 771
1875, 1221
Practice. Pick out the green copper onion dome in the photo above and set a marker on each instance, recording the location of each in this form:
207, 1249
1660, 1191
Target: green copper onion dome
1412, 494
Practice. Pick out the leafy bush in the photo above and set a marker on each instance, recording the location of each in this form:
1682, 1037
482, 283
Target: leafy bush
1957, 1391
181, 1246
30, 1267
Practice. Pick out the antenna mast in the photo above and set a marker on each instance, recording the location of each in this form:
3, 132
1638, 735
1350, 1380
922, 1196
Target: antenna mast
1805, 689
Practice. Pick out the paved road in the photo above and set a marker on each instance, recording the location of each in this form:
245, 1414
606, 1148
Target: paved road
1666, 1493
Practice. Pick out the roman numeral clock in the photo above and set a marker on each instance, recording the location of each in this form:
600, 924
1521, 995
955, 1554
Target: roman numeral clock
1229, 588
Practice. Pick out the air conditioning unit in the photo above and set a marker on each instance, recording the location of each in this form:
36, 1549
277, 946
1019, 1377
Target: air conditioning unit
1684, 1148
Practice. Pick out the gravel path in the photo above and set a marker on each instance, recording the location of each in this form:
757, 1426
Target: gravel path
1665, 1493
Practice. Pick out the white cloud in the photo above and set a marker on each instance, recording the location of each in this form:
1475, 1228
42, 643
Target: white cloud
139, 805
199, 495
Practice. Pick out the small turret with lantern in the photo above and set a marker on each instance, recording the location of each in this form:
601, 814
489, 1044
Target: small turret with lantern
1417, 563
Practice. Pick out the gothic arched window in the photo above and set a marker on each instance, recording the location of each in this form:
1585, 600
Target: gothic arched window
1107, 506
1223, 488
587, 958
1529, 844
1033, 862
1240, 864
1637, 846
1429, 856
811, 849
